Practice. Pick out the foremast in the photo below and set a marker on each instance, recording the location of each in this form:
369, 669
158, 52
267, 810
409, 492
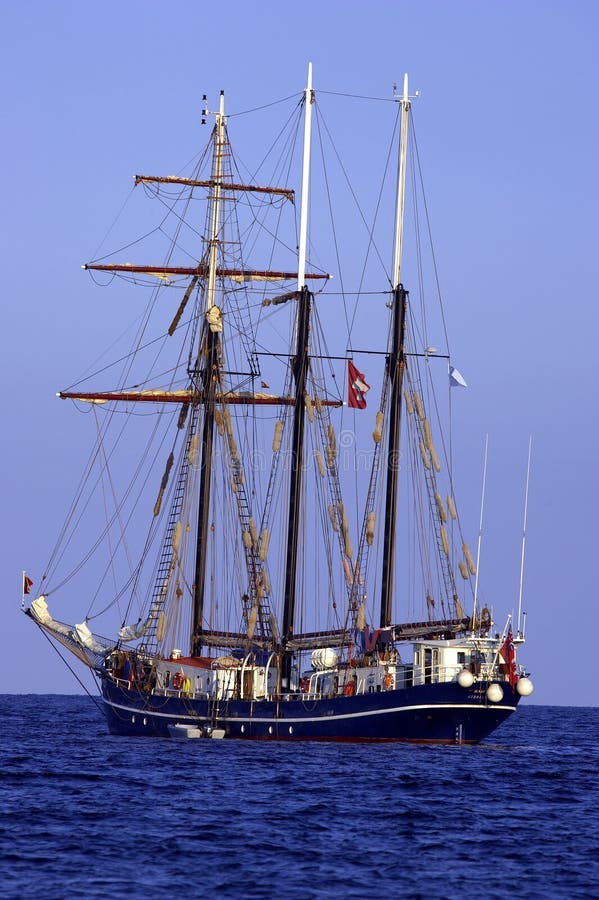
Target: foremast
207, 390
209, 381
300, 371
395, 372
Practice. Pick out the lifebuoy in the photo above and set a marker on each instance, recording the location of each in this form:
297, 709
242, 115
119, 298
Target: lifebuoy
388, 680
349, 688
304, 685
178, 681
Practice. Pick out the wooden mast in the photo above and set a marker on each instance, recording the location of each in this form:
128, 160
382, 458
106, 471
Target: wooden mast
395, 370
210, 379
300, 371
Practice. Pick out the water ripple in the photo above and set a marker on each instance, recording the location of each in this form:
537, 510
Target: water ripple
101, 816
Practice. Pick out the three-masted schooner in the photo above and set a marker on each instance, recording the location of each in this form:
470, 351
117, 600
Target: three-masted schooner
262, 620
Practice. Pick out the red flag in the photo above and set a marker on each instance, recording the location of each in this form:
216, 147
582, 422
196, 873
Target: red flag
508, 655
356, 387
27, 584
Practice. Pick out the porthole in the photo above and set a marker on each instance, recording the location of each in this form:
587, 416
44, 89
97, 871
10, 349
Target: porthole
270, 729
243, 729
291, 729
133, 719
145, 721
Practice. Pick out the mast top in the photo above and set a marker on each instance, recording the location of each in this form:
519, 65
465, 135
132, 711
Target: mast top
401, 185
215, 224
208, 112
303, 232
405, 97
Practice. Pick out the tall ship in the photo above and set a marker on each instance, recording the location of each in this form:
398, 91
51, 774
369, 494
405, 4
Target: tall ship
266, 523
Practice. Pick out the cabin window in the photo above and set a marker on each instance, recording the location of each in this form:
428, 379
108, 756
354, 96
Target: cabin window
417, 658
461, 658
428, 665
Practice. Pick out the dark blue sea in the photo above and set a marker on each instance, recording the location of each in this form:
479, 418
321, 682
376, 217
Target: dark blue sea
84, 814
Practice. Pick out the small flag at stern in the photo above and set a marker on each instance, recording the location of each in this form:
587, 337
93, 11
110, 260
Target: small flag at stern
27, 584
508, 655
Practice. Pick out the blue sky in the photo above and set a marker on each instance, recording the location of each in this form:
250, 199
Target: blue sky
508, 120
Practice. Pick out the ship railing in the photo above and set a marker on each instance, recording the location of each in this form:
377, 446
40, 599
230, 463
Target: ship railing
179, 692
434, 674
406, 675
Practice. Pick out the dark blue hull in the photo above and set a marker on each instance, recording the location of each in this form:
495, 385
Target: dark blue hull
436, 713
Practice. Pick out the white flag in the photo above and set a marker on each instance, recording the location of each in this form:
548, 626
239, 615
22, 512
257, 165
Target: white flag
456, 379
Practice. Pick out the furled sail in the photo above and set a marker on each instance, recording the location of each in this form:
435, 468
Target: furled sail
76, 638
222, 185
184, 396
236, 275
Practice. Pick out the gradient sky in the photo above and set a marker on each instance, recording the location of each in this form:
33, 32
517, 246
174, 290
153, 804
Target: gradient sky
92, 93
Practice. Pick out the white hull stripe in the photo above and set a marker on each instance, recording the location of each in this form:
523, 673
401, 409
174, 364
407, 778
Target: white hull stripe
317, 720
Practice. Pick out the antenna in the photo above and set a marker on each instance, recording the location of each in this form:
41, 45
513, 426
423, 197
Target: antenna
480, 528
524, 540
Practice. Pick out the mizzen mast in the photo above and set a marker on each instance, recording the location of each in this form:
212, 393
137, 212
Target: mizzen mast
395, 370
210, 379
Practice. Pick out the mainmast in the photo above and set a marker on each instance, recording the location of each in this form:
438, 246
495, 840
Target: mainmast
209, 353
395, 370
300, 371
